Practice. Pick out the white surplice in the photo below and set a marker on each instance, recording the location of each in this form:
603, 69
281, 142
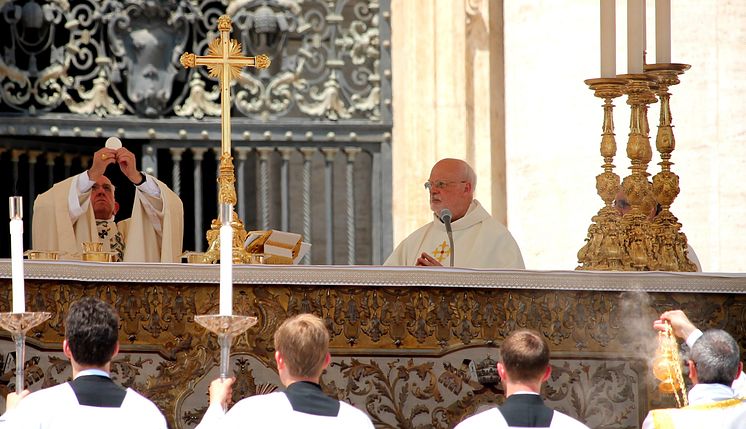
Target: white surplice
275, 411
57, 407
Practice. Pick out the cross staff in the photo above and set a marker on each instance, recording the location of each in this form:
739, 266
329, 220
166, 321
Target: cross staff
224, 60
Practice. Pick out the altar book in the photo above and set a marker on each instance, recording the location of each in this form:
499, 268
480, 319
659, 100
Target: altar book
278, 247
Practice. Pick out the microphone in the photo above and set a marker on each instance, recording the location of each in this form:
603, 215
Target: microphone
445, 217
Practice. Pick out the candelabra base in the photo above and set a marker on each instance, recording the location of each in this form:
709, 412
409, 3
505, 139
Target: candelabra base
225, 327
18, 324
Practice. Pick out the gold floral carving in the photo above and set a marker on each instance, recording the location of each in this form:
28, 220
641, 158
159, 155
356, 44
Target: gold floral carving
417, 354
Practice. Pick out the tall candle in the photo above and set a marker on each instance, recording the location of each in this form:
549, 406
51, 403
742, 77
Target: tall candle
663, 31
608, 38
635, 29
226, 270
644, 33
16, 254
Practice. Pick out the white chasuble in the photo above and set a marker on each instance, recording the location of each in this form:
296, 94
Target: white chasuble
153, 233
479, 241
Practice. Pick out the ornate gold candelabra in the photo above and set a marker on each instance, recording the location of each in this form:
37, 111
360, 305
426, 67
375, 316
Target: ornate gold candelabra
641, 240
671, 243
603, 247
224, 61
635, 224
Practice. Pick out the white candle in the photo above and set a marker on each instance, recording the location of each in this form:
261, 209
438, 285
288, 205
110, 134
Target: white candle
608, 38
635, 29
16, 265
226, 270
663, 31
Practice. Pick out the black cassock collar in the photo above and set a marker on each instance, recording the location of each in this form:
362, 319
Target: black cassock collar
307, 397
526, 410
98, 391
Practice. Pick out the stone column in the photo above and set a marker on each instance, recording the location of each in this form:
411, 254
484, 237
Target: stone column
448, 84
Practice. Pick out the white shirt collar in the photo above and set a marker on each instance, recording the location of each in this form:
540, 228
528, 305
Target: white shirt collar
705, 393
93, 371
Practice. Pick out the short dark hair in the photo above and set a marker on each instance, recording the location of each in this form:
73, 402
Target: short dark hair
525, 355
92, 331
303, 342
716, 355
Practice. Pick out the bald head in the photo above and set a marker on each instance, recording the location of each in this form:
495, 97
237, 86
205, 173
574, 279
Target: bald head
452, 183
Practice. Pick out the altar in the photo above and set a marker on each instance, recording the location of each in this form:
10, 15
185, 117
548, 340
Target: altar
411, 347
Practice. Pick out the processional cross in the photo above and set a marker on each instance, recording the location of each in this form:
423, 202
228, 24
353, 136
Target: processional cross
225, 61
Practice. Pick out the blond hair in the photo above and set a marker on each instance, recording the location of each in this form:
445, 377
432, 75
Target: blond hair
303, 343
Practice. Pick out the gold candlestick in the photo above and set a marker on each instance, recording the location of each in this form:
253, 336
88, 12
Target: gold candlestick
670, 241
602, 250
638, 250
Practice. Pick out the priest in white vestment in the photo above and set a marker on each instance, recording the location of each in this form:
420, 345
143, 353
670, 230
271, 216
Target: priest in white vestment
91, 400
523, 368
718, 398
82, 209
302, 354
479, 241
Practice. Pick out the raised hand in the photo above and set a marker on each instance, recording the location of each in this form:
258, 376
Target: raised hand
128, 164
681, 325
102, 158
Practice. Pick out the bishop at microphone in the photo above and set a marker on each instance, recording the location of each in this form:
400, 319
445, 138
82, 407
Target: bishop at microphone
459, 222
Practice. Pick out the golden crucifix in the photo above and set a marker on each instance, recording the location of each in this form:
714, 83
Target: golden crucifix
224, 61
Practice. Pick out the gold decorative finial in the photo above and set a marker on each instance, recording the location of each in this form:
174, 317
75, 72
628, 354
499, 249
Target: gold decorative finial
188, 60
263, 61
224, 23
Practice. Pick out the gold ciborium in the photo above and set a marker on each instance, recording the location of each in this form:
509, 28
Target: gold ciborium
666, 366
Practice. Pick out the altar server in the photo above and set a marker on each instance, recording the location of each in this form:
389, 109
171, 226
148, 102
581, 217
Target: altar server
91, 400
82, 208
523, 368
479, 240
302, 354
718, 398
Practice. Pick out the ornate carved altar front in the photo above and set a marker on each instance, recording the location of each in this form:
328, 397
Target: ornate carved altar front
412, 347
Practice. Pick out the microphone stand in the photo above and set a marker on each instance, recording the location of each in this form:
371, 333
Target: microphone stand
445, 217
450, 239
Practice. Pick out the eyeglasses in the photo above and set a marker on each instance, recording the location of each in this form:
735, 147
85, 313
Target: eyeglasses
441, 184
